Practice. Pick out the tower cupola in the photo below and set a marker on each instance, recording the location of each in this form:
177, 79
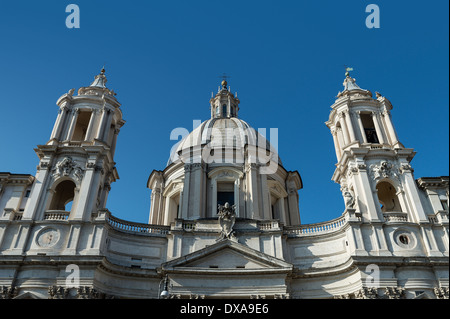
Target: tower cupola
224, 104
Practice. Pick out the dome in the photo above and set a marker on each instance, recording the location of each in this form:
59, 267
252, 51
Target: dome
219, 133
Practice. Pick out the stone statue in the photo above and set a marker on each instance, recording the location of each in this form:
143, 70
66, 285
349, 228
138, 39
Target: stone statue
349, 198
227, 218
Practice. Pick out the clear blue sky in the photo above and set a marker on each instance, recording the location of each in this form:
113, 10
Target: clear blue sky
285, 58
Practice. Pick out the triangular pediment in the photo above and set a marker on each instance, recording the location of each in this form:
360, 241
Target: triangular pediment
227, 254
27, 295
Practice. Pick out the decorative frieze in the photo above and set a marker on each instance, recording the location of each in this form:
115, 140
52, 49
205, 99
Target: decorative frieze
67, 167
373, 293
367, 293
441, 292
384, 169
394, 293
9, 292
82, 292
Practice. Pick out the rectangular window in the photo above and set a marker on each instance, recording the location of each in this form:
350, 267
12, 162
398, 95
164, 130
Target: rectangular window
79, 134
369, 128
444, 204
225, 193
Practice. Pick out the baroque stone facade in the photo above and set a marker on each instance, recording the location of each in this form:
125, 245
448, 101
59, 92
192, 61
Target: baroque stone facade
224, 219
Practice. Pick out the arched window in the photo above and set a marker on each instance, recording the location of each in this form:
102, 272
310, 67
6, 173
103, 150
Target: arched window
388, 198
225, 193
224, 110
63, 196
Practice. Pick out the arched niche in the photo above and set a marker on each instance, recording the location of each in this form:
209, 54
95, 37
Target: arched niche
388, 196
62, 196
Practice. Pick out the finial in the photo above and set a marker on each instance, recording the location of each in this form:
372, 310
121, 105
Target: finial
224, 83
102, 71
347, 71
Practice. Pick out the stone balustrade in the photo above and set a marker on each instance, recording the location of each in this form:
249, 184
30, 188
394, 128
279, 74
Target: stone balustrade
136, 228
317, 228
56, 215
395, 217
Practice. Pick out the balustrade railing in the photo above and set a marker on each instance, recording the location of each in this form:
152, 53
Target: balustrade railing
189, 225
317, 228
268, 225
128, 226
395, 217
56, 215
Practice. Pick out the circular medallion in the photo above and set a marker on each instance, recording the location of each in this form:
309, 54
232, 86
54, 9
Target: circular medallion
48, 237
404, 239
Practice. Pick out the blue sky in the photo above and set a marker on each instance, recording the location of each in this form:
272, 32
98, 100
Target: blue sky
285, 58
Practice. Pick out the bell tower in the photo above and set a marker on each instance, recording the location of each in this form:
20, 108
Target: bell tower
77, 163
373, 166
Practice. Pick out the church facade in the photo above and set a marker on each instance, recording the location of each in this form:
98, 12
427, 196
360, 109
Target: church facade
224, 218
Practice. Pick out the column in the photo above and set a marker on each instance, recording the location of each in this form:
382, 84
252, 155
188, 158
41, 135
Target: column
265, 209
60, 129
57, 123
91, 125
237, 196
214, 197
336, 144
293, 212
82, 211
253, 210
383, 249
166, 218
361, 127
412, 192
72, 124
114, 141
186, 191
196, 192
102, 123
377, 128
282, 211
37, 192
430, 241
107, 126
366, 194
154, 206
390, 127
344, 129
350, 126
